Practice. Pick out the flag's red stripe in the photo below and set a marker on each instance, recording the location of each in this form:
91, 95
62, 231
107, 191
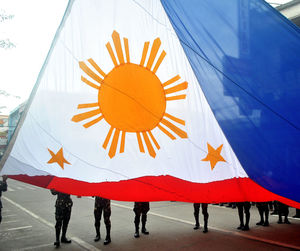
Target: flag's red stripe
161, 188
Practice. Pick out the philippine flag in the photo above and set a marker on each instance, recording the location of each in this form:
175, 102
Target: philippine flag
193, 101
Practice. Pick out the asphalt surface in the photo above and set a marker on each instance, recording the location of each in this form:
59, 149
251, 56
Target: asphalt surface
28, 224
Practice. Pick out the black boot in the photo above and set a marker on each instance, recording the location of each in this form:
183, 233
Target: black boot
246, 227
286, 220
266, 223
57, 233
279, 219
137, 233
205, 230
107, 239
98, 237
144, 219
261, 214
197, 225
63, 236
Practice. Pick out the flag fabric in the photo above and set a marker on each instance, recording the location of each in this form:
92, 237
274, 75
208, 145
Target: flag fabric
193, 101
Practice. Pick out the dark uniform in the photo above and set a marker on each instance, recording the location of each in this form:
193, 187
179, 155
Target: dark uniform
102, 204
283, 210
263, 209
3, 188
205, 215
244, 207
63, 208
297, 215
140, 208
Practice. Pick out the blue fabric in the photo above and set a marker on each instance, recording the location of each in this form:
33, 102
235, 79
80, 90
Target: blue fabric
246, 57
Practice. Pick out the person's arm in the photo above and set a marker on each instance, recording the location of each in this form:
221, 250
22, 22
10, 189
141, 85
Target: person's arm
4, 184
54, 192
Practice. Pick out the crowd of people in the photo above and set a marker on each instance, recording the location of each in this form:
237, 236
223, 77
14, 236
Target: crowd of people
64, 203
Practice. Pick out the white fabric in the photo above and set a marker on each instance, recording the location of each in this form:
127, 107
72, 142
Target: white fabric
48, 124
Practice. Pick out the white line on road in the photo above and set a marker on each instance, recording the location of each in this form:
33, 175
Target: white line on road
219, 229
18, 228
80, 242
10, 189
35, 247
85, 245
11, 221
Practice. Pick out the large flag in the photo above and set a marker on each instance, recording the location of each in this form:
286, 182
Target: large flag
193, 101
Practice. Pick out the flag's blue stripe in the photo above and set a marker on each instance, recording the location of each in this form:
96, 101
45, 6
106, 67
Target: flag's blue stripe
246, 57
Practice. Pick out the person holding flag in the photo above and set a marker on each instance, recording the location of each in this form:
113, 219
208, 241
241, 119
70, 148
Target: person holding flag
3, 188
63, 208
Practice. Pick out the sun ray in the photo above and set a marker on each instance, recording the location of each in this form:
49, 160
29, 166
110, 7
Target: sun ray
180, 121
114, 144
171, 81
166, 132
154, 50
89, 72
145, 50
87, 125
83, 79
149, 145
85, 115
126, 50
107, 137
111, 53
89, 105
177, 88
176, 97
122, 148
160, 59
93, 63
117, 42
175, 129
142, 150
154, 140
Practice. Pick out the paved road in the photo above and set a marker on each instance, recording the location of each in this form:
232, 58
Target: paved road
28, 224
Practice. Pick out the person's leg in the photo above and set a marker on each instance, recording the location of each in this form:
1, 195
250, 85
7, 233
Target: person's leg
106, 215
286, 213
97, 216
145, 209
261, 213
266, 211
137, 212
297, 215
196, 215
280, 212
247, 207
59, 220
241, 214
275, 208
205, 216
66, 219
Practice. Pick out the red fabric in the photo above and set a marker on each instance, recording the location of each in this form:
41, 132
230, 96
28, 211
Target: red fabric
161, 188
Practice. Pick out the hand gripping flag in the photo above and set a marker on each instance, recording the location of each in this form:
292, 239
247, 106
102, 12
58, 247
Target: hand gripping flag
193, 101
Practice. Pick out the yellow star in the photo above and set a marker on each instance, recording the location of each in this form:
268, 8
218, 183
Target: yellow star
213, 155
58, 158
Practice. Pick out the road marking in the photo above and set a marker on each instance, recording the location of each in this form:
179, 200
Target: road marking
9, 215
35, 247
11, 221
80, 242
10, 189
18, 228
219, 229
85, 245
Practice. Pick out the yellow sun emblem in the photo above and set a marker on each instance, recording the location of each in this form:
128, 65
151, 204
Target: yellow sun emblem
131, 98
